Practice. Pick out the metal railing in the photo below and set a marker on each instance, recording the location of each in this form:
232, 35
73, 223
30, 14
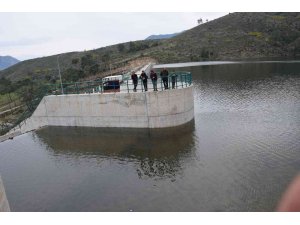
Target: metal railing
175, 80
28, 108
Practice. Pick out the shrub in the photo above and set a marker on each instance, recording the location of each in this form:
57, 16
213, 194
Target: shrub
278, 17
121, 47
256, 34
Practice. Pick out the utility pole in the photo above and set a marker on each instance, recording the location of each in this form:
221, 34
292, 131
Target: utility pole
62, 89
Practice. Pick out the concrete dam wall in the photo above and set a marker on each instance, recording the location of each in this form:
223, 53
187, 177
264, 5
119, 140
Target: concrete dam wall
159, 109
4, 206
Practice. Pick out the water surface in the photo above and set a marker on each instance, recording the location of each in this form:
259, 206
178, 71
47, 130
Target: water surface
238, 154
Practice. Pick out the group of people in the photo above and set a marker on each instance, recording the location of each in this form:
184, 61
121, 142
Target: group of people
164, 74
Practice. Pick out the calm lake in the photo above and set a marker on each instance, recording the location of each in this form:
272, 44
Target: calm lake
238, 154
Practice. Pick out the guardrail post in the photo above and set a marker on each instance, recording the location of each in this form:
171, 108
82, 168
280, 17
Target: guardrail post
76, 88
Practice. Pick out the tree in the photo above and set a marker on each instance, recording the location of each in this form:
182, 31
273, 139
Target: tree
72, 75
121, 47
200, 21
106, 57
5, 86
132, 47
137, 46
48, 77
87, 60
204, 54
94, 69
75, 61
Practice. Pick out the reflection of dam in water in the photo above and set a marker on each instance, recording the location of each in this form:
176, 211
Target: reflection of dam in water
156, 153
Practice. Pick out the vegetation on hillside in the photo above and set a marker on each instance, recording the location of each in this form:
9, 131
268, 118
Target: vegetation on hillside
17, 101
237, 36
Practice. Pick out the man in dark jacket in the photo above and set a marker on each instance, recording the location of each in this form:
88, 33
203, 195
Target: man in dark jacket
144, 78
153, 77
134, 78
174, 80
164, 74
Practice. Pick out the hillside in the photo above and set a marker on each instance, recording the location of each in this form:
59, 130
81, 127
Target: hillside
79, 65
235, 36
7, 61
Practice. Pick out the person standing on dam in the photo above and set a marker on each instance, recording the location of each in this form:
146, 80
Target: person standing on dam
134, 78
153, 77
164, 74
144, 78
174, 80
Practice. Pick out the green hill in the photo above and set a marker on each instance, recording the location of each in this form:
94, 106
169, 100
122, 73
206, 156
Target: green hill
84, 64
237, 36
232, 37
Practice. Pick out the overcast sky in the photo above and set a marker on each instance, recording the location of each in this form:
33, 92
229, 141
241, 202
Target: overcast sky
31, 35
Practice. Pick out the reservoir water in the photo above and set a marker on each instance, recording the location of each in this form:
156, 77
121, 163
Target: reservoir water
238, 154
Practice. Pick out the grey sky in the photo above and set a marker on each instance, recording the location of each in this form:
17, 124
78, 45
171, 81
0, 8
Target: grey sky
30, 35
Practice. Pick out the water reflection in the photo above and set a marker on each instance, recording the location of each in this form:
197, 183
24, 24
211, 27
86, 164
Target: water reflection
246, 87
242, 72
157, 153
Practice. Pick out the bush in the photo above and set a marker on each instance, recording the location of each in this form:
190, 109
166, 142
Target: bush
5, 86
72, 75
277, 17
94, 69
75, 61
86, 61
135, 46
256, 34
121, 47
